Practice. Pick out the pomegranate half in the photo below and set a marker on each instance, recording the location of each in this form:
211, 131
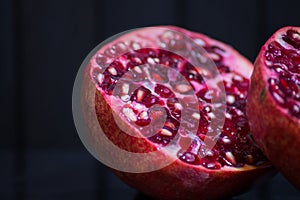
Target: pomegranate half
273, 104
143, 76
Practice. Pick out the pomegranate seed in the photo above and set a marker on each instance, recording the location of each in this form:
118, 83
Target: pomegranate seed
166, 132
164, 91
131, 116
294, 109
292, 37
151, 100
189, 158
140, 94
143, 119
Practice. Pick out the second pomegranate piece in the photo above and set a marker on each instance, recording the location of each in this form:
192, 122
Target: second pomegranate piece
274, 101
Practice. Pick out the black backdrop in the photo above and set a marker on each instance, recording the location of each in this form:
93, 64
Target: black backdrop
43, 43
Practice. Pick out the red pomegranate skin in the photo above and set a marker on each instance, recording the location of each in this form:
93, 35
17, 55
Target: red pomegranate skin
179, 180
275, 131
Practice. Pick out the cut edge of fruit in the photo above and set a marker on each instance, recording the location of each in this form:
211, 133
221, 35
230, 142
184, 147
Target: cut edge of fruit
266, 72
93, 63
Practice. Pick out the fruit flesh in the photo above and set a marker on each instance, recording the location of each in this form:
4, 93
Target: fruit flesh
234, 147
283, 60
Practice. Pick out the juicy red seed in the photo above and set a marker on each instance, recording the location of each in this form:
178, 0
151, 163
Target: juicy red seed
294, 109
175, 111
203, 124
151, 100
159, 139
140, 94
101, 60
285, 63
205, 95
189, 158
171, 124
171, 102
242, 85
223, 68
119, 69
216, 51
164, 91
278, 95
143, 120
108, 84
211, 165
292, 37
168, 59
191, 73
284, 85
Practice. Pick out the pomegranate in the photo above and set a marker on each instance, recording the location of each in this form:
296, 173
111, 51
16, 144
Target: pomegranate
143, 76
274, 101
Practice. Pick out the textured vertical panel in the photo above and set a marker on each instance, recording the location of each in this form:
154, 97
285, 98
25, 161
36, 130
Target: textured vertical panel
57, 37
7, 101
6, 73
233, 22
125, 15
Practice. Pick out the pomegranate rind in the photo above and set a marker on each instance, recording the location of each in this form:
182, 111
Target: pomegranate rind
274, 130
178, 180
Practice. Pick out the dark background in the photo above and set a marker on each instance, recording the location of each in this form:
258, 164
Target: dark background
43, 43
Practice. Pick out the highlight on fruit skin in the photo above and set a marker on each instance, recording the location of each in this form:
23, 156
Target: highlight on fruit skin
273, 106
151, 101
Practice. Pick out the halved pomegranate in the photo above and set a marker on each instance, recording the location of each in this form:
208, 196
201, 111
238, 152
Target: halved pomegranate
152, 101
274, 101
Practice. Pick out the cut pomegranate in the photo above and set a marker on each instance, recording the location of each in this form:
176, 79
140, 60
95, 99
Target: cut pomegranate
132, 95
274, 101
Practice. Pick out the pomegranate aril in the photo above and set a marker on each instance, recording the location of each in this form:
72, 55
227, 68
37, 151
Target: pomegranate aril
110, 52
143, 119
135, 45
164, 91
209, 165
101, 60
140, 94
120, 48
281, 70
191, 73
107, 83
274, 49
205, 95
130, 114
292, 37
223, 68
182, 88
230, 158
214, 53
116, 70
285, 85
160, 139
189, 158
294, 109
203, 124
172, 41
151, 100
166, 132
